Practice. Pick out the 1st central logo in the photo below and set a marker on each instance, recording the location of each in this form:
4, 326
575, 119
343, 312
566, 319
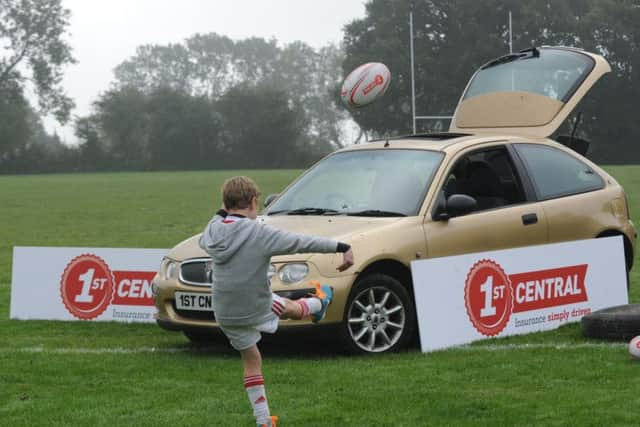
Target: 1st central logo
488, 297
86, 286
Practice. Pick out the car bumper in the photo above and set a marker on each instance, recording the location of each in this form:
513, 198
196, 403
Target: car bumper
171, 318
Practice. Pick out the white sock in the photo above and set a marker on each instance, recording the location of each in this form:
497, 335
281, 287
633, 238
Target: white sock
258, 398
310, 306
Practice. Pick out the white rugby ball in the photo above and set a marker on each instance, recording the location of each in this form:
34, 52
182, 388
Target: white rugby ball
634, 347
365, 84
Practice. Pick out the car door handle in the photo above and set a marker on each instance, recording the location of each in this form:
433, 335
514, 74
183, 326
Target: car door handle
529, 219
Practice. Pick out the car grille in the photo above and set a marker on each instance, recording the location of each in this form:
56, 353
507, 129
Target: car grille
196, 272
194, 314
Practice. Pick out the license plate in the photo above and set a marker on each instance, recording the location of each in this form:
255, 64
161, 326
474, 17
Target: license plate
193, 301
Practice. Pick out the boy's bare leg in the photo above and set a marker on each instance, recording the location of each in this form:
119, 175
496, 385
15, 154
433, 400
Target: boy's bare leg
292, 310
254, 384
251, 361
314, 306
300, 308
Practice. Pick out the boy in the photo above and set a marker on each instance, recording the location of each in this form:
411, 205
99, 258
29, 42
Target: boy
241, 249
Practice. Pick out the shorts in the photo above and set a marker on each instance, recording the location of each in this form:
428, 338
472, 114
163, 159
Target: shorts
242, 337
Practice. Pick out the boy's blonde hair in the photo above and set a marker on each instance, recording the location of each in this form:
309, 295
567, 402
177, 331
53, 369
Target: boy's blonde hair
237, 192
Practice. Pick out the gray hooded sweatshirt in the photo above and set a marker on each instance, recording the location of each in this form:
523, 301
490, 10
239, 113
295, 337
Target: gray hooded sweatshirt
241, 250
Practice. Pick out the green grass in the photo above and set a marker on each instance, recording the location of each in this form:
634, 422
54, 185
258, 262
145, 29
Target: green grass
150, 377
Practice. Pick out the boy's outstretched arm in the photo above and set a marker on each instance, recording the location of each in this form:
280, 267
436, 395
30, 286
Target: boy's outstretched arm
279, 242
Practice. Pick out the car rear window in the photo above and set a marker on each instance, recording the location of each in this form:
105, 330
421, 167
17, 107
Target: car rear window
555, 73
556, 173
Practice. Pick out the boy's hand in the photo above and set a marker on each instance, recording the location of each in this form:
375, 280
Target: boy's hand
347, 261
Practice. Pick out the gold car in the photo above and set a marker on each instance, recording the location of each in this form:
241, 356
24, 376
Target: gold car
494, 181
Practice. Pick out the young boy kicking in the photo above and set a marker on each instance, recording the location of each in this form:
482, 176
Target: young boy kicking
241, 249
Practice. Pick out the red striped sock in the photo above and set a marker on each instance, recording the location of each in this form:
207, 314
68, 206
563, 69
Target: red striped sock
304, 308
277, 308
254, 384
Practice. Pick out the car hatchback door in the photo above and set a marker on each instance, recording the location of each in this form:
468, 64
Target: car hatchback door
529, 93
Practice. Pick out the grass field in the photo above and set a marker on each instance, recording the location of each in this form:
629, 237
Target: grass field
107, 374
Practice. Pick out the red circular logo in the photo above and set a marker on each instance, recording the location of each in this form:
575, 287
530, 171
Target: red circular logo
488, 297
86, 286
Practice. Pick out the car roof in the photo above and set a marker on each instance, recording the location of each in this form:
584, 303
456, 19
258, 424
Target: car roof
445, 142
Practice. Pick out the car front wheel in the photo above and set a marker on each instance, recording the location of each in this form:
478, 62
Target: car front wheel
379, 316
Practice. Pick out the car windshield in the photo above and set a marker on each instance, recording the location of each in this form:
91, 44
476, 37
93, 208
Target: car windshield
390, 182
554, 73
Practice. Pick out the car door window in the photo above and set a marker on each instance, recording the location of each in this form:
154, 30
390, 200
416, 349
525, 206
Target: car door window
488, 176
556, 173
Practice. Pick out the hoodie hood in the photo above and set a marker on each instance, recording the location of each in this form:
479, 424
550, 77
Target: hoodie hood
222, 238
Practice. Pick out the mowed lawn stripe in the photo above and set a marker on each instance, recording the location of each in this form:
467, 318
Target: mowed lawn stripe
616, 346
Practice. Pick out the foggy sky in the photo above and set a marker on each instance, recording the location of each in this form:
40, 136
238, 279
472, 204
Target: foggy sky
105, 33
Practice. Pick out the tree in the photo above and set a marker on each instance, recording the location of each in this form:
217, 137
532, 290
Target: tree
15, 129
123, 123
183, 131
32, 35
261, 128
26, 146
92, 151
210, 64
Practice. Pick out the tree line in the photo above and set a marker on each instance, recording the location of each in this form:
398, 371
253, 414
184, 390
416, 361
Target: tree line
210, 102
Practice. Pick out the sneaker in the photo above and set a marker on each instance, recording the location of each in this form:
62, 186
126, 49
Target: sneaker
325, 294
272, 423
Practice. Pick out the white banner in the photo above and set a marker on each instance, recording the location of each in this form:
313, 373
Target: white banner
469, 297
84, 283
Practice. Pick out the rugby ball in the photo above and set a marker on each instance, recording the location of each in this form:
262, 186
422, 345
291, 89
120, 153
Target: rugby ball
365, 84
634, 347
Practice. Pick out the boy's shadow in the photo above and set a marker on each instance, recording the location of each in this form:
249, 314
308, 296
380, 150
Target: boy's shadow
300, 342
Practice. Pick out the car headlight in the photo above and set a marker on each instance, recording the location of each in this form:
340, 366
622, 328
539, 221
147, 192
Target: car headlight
169, 268
271, 272
292, 273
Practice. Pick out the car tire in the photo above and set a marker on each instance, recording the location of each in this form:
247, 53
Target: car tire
615, 323
379, 316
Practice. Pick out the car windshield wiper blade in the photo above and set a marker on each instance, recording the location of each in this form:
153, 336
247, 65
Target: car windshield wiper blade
312, 211
523, 54
375, 212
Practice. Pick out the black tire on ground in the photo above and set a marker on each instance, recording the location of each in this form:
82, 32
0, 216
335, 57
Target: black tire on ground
379, 316
615, 323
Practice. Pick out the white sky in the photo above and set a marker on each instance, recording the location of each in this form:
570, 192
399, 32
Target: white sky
106, 32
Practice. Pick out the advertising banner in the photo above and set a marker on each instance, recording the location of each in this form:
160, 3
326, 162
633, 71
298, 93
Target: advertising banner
466, 298
102, 284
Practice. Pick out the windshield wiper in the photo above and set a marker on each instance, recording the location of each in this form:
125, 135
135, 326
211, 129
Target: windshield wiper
375, 212
523, 54
313, 211
307, 211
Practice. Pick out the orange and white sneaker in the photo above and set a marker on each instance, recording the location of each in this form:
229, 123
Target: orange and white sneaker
272, 423
325, 294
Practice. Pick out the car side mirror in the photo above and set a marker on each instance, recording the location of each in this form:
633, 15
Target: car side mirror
455, 205
270, 198
460, 204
